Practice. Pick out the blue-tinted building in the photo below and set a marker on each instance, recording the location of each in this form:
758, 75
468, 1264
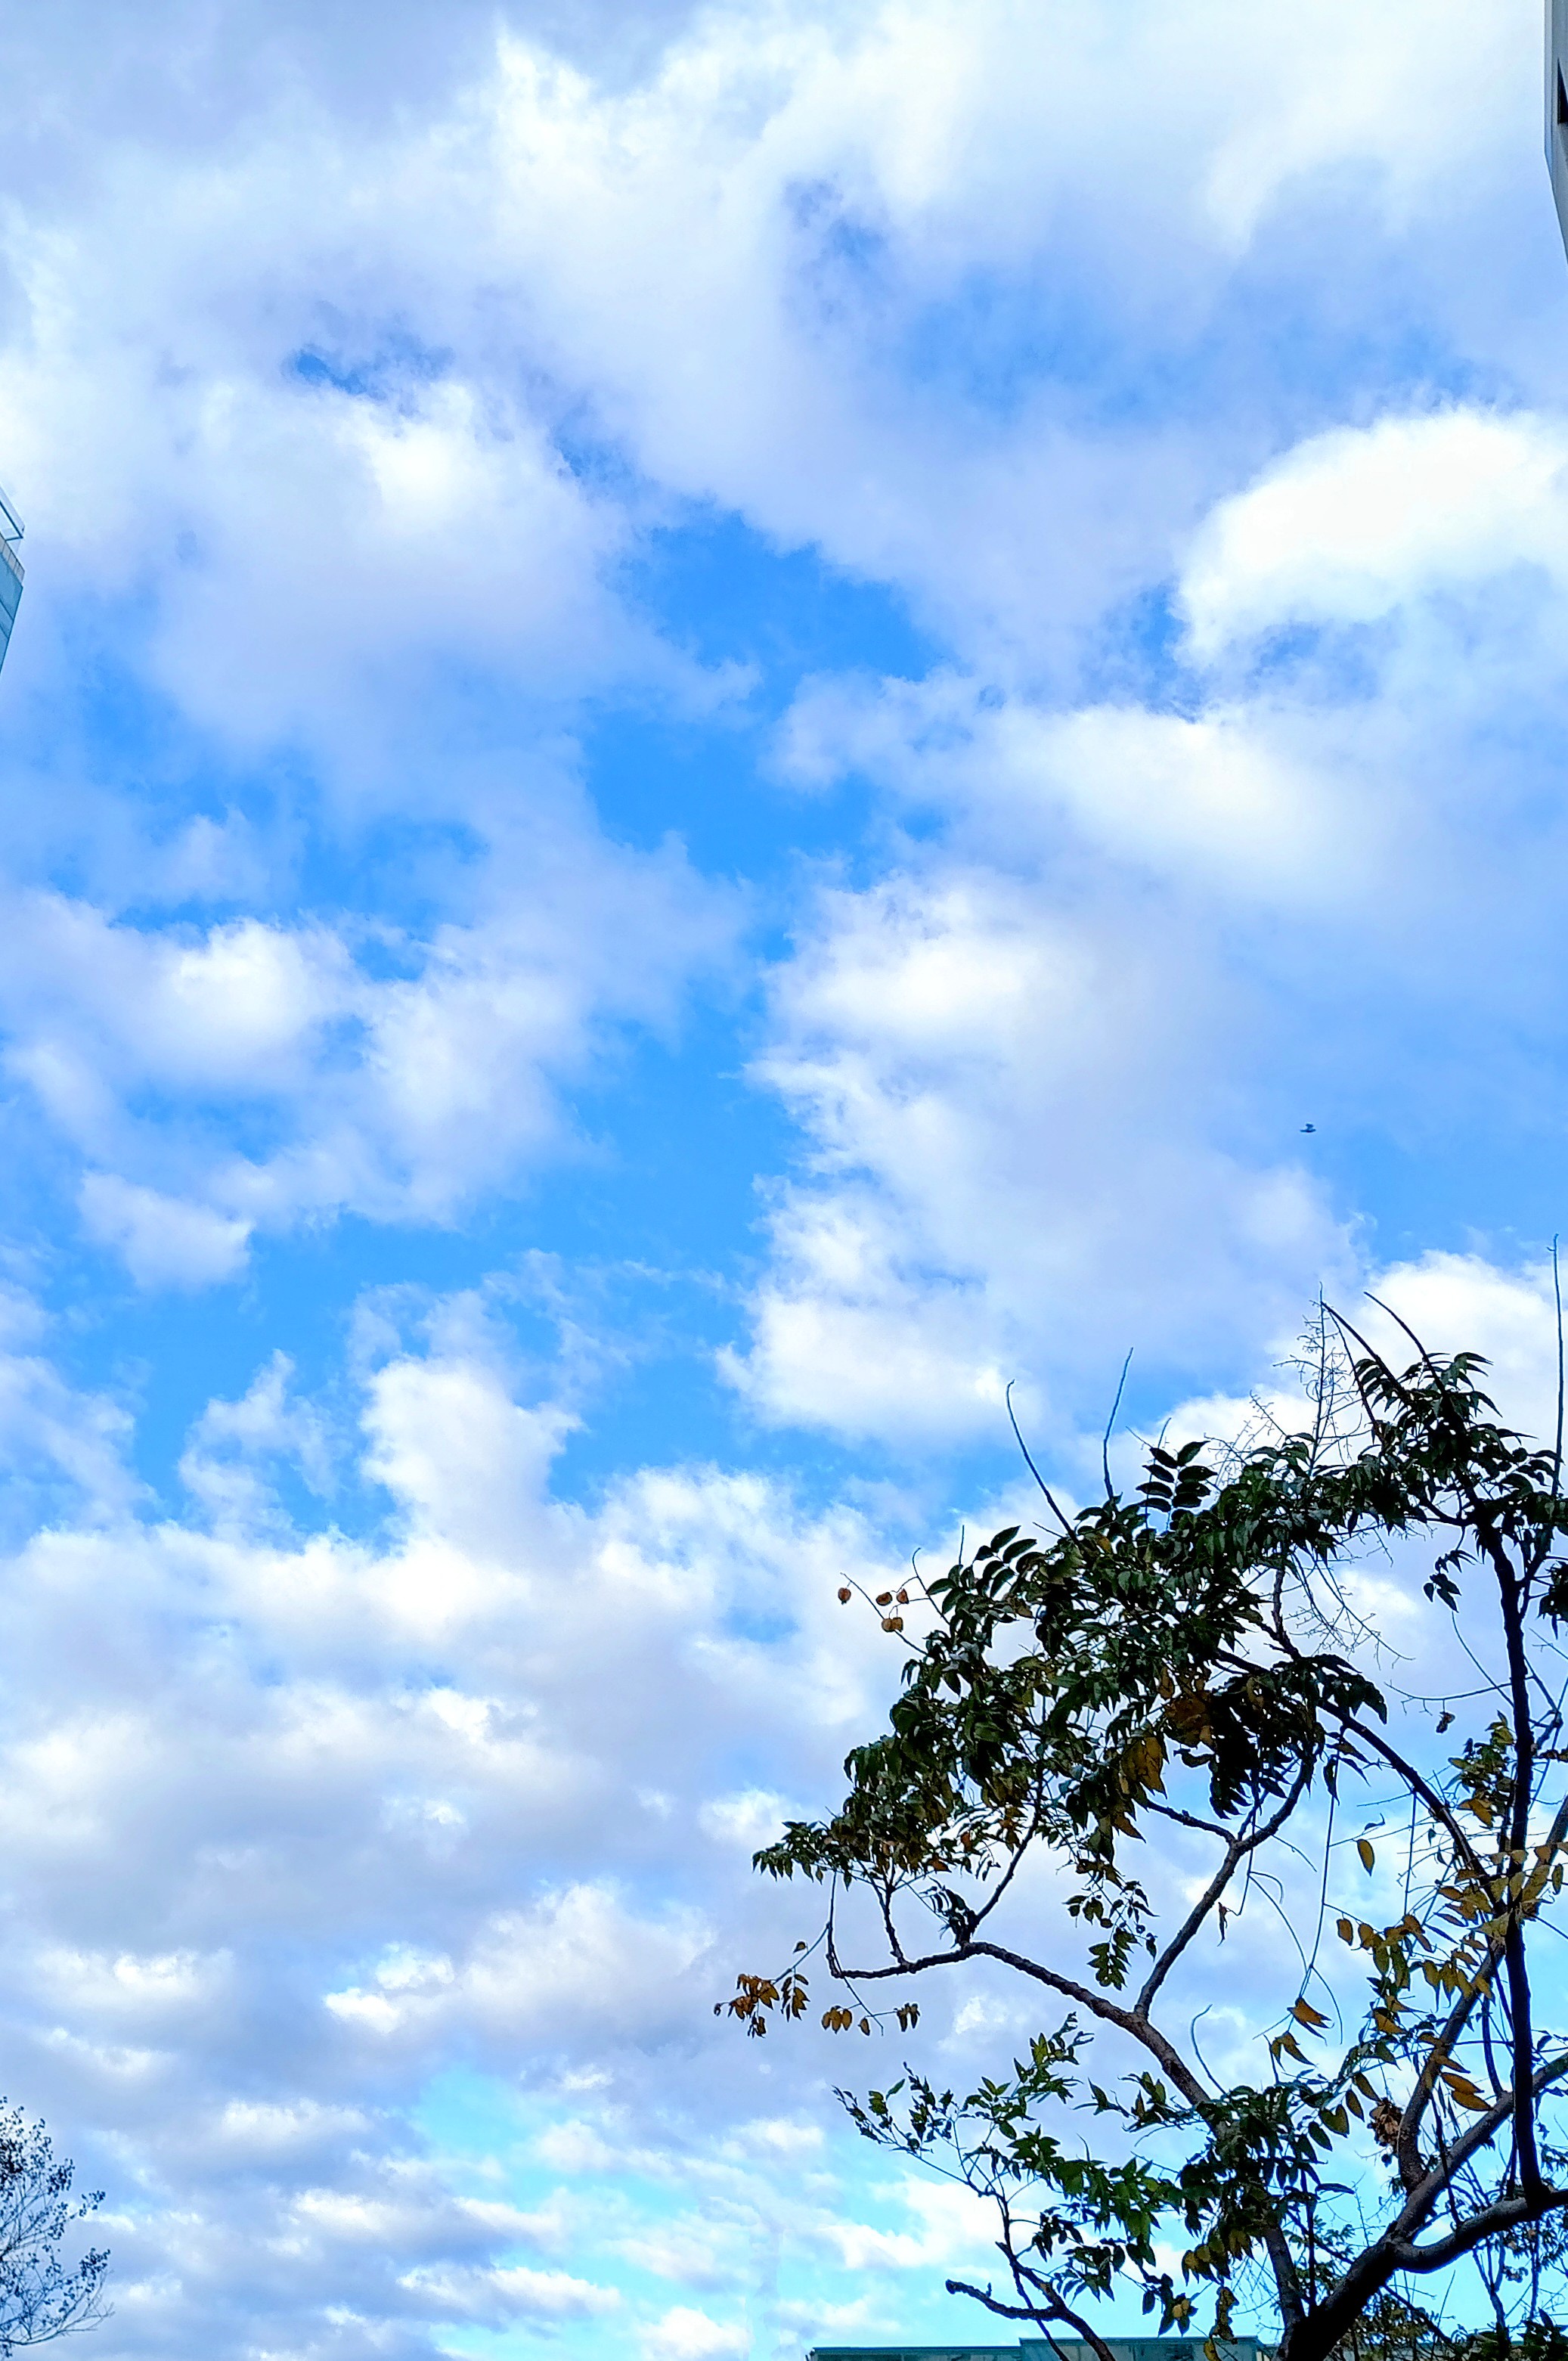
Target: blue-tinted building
1035, 2348
10, 571
1557, 105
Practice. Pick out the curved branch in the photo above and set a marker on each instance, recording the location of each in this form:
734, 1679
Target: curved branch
1187, 1819
1436, 1804
1236, 1851
1507, 2213
1126, 2020
1526, 2088
1441, 2177
1036, 2315
1033, 1471
1513, 1599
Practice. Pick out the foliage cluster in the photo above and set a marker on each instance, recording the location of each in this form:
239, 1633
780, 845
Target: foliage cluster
1195, 1659
41, 2298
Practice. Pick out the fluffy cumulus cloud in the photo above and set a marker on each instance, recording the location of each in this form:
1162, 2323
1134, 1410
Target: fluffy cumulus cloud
318, 1819
1151, 932
407, 1083
1354, 524
1009, 1107
729, 727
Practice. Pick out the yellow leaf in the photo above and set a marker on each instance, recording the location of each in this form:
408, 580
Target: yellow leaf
1305, 2013
1463, 2090
1346, 1932
1367, 1856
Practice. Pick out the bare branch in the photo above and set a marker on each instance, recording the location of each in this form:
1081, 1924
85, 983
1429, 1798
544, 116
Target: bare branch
1236, 1851
1029, 1462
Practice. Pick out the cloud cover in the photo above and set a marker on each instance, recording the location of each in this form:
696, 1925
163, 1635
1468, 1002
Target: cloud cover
828, 668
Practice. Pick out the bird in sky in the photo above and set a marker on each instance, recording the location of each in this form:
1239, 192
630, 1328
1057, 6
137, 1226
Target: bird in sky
1309, 1127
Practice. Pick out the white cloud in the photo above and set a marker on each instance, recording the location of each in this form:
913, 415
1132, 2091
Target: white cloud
262, 2128
131, 1989
1007, 1113
232, 1441
751, 1818
1354, 524
165, 1241
579, 1962
701, 2254
234, 1957
721, 262
1016, 1059
394, 1096
340, 384
316, 547
235, 1008
686, 2334
1222, 801
718, 268
781, 2136
498, 2297
1464, 1302
953, 2227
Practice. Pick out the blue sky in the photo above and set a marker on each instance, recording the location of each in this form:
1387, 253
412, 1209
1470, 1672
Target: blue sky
723, 721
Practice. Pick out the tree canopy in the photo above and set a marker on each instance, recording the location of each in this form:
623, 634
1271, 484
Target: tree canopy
40, 2297
1200, 1661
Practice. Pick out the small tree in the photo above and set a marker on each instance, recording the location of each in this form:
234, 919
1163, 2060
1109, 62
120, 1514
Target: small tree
1189, 1662
39, 2297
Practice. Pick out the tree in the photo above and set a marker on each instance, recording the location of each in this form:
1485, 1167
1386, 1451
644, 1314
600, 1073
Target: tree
1190, 1662
39, 2297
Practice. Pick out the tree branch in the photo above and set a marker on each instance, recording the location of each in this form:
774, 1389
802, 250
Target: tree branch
1507, 2213
1126, 2020
1475, 2136
1236, 1851
1518, 1828
1436, 1804
1034, 2315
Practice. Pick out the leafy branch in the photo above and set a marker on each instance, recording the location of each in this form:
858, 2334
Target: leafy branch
1187, 1658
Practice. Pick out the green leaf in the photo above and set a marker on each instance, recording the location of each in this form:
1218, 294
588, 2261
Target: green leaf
1070, 1683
